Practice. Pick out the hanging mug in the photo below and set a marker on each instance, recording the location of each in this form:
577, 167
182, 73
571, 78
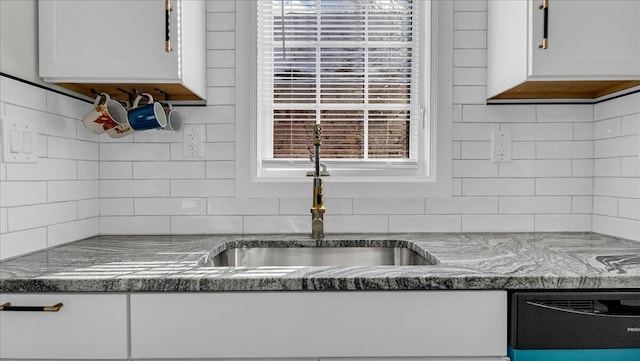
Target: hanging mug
105, 115
147, 116
174, 121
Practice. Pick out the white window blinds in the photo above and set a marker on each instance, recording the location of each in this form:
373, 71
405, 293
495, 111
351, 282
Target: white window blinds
350, 65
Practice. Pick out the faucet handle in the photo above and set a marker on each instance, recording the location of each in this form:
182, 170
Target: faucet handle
317, 134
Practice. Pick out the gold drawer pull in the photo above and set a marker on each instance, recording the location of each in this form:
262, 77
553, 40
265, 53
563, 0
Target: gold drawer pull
55, 308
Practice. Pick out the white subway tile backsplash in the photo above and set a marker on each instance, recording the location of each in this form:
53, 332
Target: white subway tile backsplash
221, 95
111, 188
45, 123
221, 133
18, 243
88, 208
629, 208
470, 39
242, 206
619, 227
220, 21
469, 94
285, 224
44, 169
470, 5
214, 6
116, 170
211, 151
534, 205
62, 233
116, 206
474, 169
535, 168
462, 205
563, 223
3, 221
607, 206
539, 131
135, 151
523, 150
168, 170
388, 206
470, 76
88, 170
221, 58
221, 77
564, 186
66, 106
564, 150
473, 132
582, 167
629, 167
59, 191
20, 218
497, 223
608, 128
71, 149
220, 169
626, 105
616, 147
475, 20
497, 187
135, 225
583, 131
499, 114
424, 223
582, 204
616, 187
607, 167
170, 206
22, 193
18, 93
206, 224
474, 58
351, 223
221, 40
203, 188
157, 136
456, 151
208, 115
630, 124
565, 113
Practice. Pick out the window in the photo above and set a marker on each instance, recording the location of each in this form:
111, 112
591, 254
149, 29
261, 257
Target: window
371, 72
352, 66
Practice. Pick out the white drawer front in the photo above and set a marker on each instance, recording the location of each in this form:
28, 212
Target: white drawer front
319, 324
86, 327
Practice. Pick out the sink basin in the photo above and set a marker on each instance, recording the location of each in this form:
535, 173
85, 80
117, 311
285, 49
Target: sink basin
299, 255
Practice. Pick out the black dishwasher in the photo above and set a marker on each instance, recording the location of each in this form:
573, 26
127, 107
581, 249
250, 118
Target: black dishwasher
572, 326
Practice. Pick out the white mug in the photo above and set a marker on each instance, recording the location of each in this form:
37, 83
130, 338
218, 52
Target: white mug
105, 115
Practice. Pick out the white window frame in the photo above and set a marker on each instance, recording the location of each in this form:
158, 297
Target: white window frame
430, 178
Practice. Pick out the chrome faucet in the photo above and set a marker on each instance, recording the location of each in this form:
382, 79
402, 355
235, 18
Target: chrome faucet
317, 210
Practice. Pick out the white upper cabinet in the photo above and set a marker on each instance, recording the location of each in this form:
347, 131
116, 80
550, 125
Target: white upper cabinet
591, 49
104, 45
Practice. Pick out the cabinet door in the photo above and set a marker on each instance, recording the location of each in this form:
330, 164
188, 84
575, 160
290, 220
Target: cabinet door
86, 327
100, 40
319, 324
594, 39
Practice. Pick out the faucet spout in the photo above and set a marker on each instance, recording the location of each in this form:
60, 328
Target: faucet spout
317, 210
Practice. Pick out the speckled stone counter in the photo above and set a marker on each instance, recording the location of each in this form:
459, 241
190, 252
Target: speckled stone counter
463, 261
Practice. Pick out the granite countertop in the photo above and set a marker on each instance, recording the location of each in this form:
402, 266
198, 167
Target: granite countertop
464, 261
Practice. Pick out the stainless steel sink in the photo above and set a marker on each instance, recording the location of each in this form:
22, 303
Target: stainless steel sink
318, 256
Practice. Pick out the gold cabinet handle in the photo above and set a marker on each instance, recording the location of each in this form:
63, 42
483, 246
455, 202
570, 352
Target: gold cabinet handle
55, 308
167, 23
545, 31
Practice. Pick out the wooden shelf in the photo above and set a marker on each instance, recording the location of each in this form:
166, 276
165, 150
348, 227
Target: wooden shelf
176, 92
566, 89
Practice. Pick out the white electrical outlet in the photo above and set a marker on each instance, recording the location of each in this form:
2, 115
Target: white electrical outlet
193, 139
500, 147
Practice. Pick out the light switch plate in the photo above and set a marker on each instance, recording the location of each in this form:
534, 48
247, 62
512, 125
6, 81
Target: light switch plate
19, 138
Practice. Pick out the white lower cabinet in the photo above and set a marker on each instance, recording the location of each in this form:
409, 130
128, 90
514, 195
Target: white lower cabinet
391, 325
87, 326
